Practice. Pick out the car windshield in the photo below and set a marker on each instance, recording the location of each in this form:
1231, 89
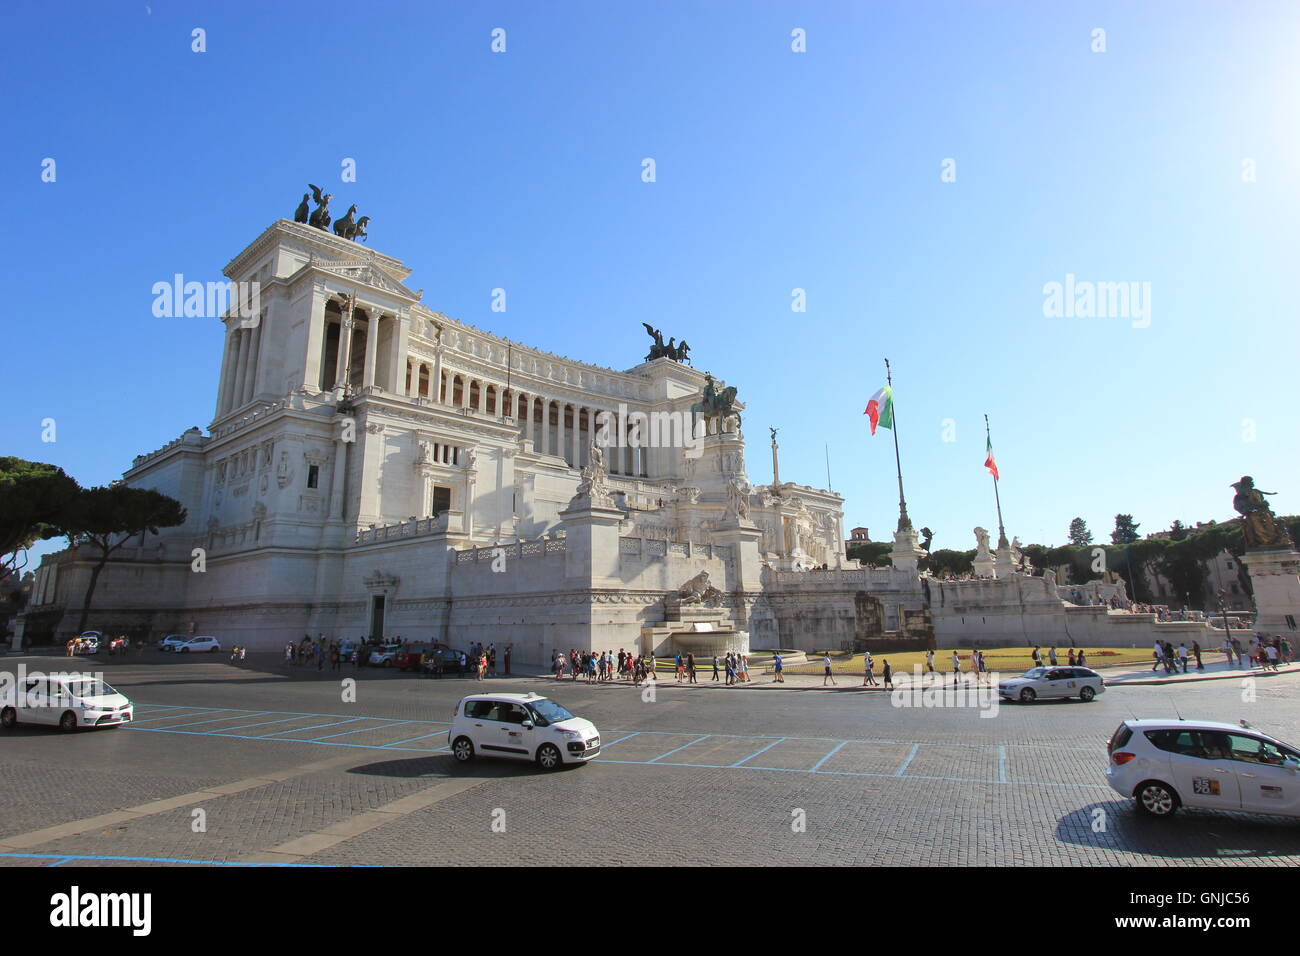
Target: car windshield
551, 711
1035, 673
89, 688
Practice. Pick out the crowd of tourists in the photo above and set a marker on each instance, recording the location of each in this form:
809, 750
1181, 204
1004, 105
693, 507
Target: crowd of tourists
605, 666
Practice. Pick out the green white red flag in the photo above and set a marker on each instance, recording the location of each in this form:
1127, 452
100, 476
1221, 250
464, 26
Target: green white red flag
881, 409
989, 463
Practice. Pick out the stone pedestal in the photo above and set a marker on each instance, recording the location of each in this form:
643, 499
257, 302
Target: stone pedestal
907, 552
985, 565
1005, 563
1275, 578
742, 537
591, 545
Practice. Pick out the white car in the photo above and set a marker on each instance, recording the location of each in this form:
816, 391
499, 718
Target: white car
66, 700
1053, 682
1165, 764
384, 655
523, 727
199, 645
172, 641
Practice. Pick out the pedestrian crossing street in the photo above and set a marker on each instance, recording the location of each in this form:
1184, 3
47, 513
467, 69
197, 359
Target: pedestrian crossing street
1008, 764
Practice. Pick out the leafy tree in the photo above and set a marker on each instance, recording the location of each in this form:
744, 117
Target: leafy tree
1035, 555
1080, 536
1126, 530
33, 498
97, 516
1177, 531
874, 553
947, 561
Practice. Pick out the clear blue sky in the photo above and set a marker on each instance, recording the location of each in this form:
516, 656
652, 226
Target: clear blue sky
775, 170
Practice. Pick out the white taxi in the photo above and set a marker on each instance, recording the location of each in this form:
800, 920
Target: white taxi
68, 701
1053, 683
1167, 764
522, 727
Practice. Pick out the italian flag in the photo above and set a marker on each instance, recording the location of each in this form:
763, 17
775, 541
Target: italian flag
881, 409
989, 463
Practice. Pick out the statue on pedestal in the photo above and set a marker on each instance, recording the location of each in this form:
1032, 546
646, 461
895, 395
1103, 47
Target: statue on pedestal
320, 217
595, 482
982, 540
1259, 527
737, 500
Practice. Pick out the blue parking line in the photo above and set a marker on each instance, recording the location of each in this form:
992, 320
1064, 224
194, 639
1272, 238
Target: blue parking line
298, 730
757, 752
682, 747
62, 861
1002, 764
214, 720
361, 730
907, 760
611, 743
818, 764
411, 740
261, 723
196, 713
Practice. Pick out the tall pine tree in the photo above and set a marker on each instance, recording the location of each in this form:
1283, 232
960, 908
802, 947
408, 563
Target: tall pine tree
1126, 530
1080, 536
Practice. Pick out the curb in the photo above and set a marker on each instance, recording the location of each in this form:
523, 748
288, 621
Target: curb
1252, 672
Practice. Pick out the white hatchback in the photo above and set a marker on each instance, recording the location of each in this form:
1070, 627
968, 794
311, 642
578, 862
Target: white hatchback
68, 701
523, 727
1165, 764
1053, 683
199, 645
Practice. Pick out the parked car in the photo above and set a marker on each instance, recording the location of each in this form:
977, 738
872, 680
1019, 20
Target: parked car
199, 645
521, 727
87, 642
408, 657
1053, 682
1167, 764
68, 701
448, 658
172, 641
384, 655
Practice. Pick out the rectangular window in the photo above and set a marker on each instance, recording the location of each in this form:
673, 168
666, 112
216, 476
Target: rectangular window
313, 476
891, 617
441, 499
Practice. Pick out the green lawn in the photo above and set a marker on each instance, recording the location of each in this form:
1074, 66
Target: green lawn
1006, 660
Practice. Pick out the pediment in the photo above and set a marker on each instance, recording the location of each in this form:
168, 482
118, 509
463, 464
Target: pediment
364, 273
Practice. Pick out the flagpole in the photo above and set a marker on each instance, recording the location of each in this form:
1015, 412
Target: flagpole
1002, 531
904, 522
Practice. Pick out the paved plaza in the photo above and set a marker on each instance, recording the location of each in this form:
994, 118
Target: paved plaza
285, 772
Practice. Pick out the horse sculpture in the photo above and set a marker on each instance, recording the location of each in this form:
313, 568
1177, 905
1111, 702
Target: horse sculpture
717, 404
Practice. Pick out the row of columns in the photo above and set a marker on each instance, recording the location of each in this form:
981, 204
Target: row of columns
239, 366
572, 443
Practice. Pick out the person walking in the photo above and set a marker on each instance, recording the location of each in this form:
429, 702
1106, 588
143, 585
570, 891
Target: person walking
652, 668
744, 668
731, 670
1037, 657
868, 670
1051, 655
681, 667
1271, 655
1158, 652
777, 666
1081, 660
929, 663
1182, 656
826, 664
956, 667
1071, 657
887, 673
690, 668
715, 666
1196, 652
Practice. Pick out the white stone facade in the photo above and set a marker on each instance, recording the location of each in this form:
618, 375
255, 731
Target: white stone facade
375, 467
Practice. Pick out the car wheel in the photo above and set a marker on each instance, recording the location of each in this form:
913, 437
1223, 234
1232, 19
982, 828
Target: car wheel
215, 649
8, 717
548, 755
68, 721
1156, 799
463, 750
1027, 696
1087, 694
185, 650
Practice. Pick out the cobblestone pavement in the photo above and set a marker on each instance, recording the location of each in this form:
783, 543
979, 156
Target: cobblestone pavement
257, 763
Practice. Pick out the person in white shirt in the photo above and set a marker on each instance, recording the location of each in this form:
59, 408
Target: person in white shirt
929, 662
956, 668
868, 670
826, 663
1182, 656
1051, 655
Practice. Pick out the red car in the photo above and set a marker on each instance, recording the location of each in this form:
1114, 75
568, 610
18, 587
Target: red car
408, 658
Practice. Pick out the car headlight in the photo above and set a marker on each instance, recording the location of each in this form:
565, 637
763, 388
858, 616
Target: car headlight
571, 734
